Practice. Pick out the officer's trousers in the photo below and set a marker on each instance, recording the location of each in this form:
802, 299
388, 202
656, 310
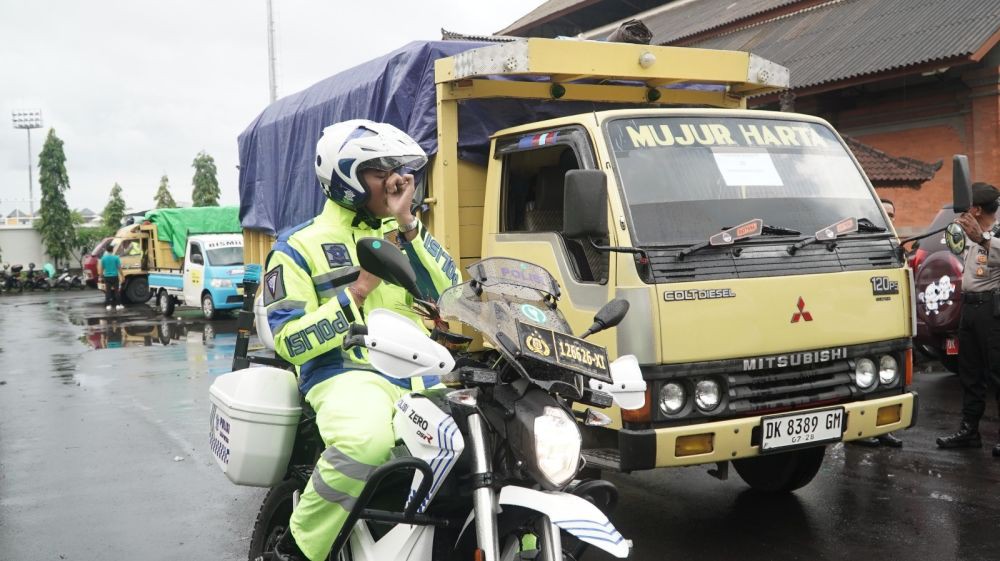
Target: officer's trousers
978, 358
354, 413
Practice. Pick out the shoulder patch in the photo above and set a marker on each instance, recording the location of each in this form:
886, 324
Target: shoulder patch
337, 255
274, 286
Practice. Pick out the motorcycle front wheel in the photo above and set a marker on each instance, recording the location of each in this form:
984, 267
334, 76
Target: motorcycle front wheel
272, 519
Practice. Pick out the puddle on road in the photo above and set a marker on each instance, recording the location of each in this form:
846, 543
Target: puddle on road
140, 326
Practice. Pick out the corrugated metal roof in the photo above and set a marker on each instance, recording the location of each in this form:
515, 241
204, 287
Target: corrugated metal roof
883, 168
544, 12
849, 38
682, 18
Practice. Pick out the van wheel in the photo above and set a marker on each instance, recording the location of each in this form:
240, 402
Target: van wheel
207, 306
166, 303
781, 473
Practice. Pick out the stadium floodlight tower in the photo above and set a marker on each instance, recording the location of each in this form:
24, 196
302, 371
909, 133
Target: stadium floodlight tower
28, 119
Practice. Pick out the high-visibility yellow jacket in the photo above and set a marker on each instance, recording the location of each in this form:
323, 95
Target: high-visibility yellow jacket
305, 290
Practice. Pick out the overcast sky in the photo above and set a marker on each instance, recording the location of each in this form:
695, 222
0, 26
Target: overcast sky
136, 88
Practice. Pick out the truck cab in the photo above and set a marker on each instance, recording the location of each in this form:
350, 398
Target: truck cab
738, 338
211, 272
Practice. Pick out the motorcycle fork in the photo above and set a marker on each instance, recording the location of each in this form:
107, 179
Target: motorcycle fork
483, 498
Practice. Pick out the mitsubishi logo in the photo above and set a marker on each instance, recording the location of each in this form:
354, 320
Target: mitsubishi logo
802, 313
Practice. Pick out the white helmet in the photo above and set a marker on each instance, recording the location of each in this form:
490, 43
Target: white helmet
346, 148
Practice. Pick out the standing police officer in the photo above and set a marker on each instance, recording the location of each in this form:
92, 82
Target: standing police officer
313, 291
979, 329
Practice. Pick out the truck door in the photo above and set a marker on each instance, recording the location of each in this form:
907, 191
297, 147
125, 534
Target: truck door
528, 222
194, 274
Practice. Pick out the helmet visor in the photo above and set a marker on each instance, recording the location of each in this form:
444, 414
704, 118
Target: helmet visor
401, 164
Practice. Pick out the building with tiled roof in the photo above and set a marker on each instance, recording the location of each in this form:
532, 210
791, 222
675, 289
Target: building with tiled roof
914, 81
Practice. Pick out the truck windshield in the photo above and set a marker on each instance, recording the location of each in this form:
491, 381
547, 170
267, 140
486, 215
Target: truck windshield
225, 256
686, 178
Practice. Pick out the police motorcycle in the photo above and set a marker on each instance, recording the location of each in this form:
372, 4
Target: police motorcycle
484, 472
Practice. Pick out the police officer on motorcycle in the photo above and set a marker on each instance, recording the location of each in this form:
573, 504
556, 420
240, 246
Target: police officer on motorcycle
313, 291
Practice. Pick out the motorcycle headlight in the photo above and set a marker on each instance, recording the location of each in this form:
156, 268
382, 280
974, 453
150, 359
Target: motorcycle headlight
706, 395
888, 370
672, 398
557, 446
865, 373
221, 283
544, 439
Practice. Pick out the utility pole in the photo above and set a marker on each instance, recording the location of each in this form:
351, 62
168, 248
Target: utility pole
272, 81
28, 119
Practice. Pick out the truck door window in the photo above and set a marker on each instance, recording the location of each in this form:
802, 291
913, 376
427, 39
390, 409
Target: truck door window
196, 250
532, 193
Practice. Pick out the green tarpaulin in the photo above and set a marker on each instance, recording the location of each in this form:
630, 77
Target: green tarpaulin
174, 224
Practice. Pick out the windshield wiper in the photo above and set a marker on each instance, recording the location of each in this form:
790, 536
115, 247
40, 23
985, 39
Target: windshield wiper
729, 236
836, 230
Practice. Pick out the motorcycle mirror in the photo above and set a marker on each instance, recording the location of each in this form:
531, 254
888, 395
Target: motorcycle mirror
961, 186
610, 315
954, 238
387, 262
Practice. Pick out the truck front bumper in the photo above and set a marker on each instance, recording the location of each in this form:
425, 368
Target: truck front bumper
733, 439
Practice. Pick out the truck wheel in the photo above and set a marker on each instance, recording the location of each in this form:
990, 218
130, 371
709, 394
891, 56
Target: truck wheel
950, 362
781, 473
136, 291
166, 303
207, 306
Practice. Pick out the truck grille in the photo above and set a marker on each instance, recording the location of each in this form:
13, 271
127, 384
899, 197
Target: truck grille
774, 390
751, 261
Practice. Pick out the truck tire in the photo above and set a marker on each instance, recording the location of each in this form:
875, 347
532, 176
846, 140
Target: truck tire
136, 291
781, 473
165, 302
208, 306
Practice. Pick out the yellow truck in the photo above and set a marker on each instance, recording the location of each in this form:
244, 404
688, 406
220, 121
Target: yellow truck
771, 307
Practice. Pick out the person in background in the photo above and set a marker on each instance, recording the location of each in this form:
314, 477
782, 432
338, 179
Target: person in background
979, 328
887, 439
110, 270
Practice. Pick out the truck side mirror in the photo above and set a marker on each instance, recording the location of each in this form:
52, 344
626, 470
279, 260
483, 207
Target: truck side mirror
197, 259
585, 204
961, 185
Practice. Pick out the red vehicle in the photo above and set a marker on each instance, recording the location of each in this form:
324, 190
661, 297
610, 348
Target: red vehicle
938, 279
90, 262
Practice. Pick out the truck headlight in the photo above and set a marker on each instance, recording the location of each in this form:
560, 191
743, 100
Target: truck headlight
671, 398
706, 395
557, 446
865, 373
221, 283
888, 370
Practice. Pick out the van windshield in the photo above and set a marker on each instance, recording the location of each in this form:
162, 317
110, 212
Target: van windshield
224, 256
686, 178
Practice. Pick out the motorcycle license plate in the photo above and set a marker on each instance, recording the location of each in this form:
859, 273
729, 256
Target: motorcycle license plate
951, 347
564, 350
798, 430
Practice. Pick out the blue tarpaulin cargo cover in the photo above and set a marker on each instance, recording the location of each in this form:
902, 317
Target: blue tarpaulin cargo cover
278, 185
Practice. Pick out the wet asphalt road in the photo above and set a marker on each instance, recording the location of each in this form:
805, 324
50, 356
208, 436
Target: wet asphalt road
104, 455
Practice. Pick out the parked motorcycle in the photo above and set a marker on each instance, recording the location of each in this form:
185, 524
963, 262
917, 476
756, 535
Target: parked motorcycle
36, 279
66, 281
493, 463
12, 281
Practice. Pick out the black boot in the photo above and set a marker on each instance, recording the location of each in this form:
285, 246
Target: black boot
287, 550
966, 437
996, 451
890, 440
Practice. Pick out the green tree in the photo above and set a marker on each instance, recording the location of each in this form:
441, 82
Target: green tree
206, 186
55, 224
114, 211
163, 197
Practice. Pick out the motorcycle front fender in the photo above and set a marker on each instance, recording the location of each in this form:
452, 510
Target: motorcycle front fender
572, 514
